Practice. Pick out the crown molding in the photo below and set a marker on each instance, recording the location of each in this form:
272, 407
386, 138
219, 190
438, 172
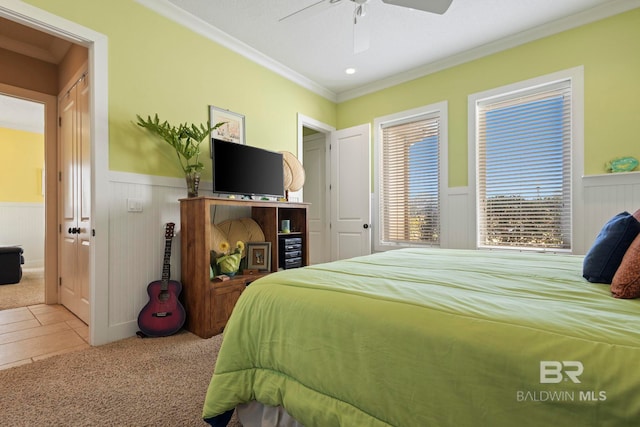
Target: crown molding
197, 25
591, 15
176, 14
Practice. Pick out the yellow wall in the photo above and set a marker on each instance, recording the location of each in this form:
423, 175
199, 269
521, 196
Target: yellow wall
21, 166
158, 66
608, 49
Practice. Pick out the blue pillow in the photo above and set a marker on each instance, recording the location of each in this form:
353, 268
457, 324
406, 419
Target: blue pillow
606, 253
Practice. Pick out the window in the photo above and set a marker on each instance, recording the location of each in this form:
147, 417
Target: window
523, 171
408, 181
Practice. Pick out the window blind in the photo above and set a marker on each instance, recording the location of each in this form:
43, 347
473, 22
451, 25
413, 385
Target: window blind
524, 169
409, 199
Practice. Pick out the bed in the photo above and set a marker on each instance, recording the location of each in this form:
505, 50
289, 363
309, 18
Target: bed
432, 337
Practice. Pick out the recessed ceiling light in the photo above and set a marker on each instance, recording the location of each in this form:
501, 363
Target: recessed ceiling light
350, 71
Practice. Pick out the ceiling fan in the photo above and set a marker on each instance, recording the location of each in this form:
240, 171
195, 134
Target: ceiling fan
360, 26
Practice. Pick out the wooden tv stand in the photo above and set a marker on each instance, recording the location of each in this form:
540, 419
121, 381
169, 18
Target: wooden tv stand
208, 303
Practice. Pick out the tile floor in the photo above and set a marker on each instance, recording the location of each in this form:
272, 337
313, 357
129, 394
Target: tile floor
39, 331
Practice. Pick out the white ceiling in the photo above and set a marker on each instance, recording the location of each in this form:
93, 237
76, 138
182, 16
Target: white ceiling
316, 47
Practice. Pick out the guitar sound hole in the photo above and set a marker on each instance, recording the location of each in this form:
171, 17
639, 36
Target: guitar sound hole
163, 295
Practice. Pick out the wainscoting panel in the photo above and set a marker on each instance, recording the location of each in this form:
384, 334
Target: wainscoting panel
136, 239
606, 196
23, 225
137, 242
458, 233
140, 206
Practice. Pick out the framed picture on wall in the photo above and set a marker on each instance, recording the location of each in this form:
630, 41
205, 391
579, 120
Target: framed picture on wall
233, 127
259, 256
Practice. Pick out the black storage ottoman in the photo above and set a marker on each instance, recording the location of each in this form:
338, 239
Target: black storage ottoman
11, 261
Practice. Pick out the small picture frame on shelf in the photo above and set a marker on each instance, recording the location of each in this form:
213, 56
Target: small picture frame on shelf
233, 127
259, 256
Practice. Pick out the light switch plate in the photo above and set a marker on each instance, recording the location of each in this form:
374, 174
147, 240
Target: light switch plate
134, 205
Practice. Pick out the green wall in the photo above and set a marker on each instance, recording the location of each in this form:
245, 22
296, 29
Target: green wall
608, 49
158, 66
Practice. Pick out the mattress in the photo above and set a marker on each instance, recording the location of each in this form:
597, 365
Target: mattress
433, 337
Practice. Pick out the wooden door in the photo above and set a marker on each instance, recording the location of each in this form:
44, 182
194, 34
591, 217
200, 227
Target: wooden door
350, 192
75, 199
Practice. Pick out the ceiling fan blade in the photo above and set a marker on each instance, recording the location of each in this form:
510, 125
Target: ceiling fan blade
312, 9
433, 6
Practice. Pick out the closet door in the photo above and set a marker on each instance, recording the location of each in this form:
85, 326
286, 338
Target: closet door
75, 186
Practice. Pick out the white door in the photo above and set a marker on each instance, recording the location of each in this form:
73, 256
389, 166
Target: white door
350, 192
315, 193
75, 200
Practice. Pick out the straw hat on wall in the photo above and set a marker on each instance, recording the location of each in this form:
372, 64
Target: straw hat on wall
293, 172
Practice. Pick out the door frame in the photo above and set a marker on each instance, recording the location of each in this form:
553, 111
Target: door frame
326, 130
97, 45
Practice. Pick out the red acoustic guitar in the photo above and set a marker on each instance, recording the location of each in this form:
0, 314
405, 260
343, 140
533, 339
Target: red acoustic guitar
164, 314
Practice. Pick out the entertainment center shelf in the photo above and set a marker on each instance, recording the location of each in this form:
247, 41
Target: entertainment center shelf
208, 303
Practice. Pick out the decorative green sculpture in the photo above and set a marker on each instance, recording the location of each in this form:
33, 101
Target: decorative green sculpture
229, 262
622, 164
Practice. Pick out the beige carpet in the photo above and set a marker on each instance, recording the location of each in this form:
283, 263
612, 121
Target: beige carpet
133, 382
30, 290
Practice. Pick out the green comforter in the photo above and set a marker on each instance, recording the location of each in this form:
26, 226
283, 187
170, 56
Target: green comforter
433, 337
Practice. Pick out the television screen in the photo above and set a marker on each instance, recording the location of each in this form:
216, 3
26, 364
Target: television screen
246, 170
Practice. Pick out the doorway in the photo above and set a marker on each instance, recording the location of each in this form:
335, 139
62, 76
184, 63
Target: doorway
96, 43
314, 139
48, 187
337, 185
22, 212
49, 64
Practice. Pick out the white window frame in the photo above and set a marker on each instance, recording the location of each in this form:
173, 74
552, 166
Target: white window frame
440, 108
576, 75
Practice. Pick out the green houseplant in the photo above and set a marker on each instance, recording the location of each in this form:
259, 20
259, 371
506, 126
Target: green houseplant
185, 140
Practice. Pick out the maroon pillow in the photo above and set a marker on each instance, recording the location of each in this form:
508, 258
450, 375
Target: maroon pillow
636, 214
626, 281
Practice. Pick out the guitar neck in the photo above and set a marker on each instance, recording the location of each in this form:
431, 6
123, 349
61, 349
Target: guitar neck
166, 265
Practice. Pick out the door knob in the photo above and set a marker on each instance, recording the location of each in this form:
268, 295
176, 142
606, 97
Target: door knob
365, 226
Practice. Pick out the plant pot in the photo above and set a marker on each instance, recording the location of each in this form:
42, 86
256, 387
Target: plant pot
193, 182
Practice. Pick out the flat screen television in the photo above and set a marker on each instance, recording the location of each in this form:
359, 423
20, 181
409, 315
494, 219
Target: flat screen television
246, 170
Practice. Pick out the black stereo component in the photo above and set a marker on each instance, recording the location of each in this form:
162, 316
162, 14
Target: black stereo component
290, 252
